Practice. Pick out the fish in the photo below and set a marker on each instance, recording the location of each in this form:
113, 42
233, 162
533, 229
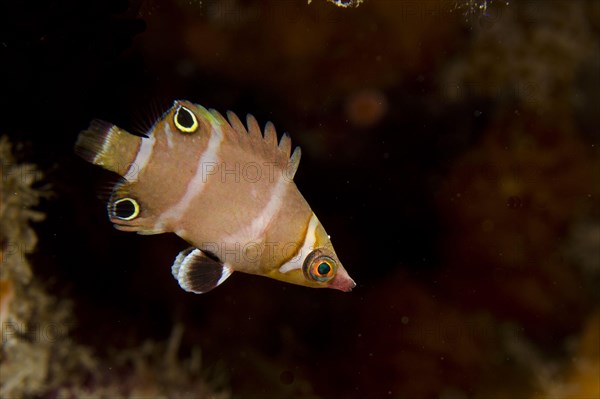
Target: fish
224, 187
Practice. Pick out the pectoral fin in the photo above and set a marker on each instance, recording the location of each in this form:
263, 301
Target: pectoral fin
196, 272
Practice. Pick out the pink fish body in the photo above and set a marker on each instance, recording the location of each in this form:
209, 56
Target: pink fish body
225, 188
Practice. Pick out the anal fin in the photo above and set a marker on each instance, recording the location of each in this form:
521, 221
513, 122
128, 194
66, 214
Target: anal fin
198, 273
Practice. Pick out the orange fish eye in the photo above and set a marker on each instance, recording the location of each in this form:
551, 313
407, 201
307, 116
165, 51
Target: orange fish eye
185, 120
320, 268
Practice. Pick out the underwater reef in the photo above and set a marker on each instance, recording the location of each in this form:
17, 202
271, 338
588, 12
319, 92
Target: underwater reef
39, 355
452, 151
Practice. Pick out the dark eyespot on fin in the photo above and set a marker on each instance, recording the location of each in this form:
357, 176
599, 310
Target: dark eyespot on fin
126, 209
185, 117
185, 120
196, 272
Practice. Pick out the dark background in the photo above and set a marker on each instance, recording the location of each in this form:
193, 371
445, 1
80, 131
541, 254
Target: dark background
451, 152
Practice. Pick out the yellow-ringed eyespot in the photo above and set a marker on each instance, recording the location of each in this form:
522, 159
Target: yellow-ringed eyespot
185, 120
319, 266
126, 209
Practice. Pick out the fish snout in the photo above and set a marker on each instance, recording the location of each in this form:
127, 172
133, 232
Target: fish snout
342, 282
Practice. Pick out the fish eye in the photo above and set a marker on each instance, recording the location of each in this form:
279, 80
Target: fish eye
126, 209
185, 120
319, 267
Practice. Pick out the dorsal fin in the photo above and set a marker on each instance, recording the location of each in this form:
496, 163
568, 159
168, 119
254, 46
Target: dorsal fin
293, 163
270, 133
253, 127
236, 123
285, 143
252, 136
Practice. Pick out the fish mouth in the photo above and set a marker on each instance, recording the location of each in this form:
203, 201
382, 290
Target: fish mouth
343, 283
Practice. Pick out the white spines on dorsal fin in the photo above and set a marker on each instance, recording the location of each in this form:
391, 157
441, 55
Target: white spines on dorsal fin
236, 123
293, 163
253, 127
251, 136
270, 134
285, 144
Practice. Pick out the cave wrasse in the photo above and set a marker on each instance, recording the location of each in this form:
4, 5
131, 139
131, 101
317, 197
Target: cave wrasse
225, 188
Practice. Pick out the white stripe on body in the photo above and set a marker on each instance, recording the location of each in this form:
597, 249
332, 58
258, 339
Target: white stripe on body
142, 158
169, 134
309, 244
256, 229
198, 182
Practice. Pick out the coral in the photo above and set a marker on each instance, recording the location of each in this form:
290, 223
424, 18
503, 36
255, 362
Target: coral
38, 356
16, 198
581, 249
579, 378
506, 206
528, 53
344, 3
32, 321
520, 227
509, 202
474, 7
6, 295
152, 369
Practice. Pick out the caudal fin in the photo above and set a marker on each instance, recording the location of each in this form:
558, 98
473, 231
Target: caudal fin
109, 146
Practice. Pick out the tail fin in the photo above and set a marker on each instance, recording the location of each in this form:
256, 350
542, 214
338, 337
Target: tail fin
109, 146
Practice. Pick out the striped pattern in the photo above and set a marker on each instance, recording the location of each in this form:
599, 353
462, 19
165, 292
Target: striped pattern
256, 229
195, 183
199, 181
307, 246
141, 160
